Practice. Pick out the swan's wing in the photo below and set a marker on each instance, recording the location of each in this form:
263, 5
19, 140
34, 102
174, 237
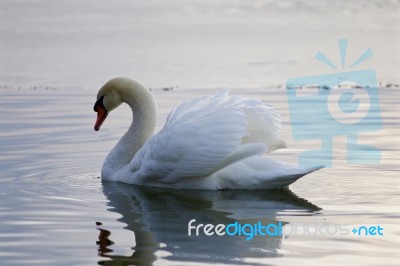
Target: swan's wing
202, 136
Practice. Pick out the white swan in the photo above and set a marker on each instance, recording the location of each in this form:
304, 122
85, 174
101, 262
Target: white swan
211, 143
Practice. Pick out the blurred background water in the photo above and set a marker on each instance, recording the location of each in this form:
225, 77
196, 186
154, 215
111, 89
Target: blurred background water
54, 55
190, 43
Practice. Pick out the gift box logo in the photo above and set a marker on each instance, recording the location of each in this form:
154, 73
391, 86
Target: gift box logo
341, 104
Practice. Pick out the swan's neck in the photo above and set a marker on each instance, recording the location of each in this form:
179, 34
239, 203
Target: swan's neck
144, 116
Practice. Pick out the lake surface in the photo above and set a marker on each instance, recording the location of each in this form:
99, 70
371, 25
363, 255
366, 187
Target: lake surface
56, 211
55, 55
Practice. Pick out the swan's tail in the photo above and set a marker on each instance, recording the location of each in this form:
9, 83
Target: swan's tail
315, 168
285, 181
260, 173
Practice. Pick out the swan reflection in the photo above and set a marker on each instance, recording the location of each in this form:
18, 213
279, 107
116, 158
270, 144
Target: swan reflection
159, 220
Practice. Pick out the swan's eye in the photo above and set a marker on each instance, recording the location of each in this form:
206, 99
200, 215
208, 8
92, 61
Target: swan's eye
99, 103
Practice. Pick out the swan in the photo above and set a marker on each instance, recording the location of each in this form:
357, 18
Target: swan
208, 143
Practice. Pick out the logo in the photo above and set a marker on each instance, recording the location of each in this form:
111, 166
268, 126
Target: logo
338, 104
278, 229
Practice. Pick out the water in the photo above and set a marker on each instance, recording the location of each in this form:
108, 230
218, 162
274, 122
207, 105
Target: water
54, 208
52, 198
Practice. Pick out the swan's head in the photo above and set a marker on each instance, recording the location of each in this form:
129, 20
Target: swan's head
108, 98
117, 91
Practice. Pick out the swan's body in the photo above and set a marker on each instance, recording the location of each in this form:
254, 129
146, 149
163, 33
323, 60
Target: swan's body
212, 143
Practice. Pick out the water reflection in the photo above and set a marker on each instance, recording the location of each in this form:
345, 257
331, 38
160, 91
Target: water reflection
159, 220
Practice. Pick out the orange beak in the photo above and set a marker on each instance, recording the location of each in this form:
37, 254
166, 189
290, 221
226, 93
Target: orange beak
101, 113
101, 116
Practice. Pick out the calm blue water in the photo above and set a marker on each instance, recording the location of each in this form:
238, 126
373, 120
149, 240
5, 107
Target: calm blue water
54, 55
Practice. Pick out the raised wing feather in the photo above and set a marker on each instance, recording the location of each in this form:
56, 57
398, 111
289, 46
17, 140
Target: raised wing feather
264, 123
